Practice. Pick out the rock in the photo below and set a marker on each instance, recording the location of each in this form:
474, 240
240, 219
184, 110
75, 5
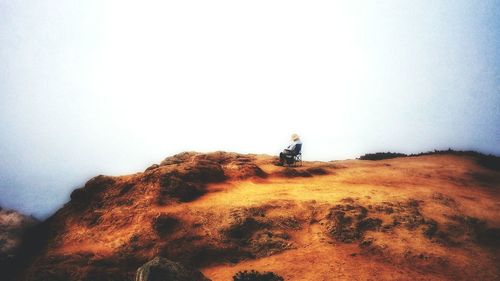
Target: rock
13, 226
177, 188
81, 197
187, 177
152, 167
178, 158
245, 170
162, 269
202, 171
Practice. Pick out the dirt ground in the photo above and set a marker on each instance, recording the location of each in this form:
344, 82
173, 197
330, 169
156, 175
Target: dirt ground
434, 217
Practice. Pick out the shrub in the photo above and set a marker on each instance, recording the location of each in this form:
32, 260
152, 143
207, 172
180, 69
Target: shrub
256, 276
165, 223
381, 156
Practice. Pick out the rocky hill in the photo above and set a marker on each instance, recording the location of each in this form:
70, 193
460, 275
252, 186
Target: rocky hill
13, 226
431, 217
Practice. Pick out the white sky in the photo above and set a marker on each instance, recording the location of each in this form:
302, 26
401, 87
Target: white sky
109, 87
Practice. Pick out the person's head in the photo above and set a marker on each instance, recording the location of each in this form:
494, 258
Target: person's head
295, 137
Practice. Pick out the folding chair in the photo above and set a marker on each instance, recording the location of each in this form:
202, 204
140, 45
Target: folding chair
295, 159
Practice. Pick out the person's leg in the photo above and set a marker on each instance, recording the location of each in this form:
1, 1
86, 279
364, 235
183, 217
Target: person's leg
287, 156
282, 159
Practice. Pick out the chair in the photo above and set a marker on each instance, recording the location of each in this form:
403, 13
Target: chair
296, 157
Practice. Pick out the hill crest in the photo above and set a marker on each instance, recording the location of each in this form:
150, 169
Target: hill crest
432, 217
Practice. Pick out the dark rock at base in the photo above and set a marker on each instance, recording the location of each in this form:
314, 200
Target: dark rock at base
162, 269
13, 227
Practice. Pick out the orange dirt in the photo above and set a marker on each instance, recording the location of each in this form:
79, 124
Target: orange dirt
433, 217
318, 258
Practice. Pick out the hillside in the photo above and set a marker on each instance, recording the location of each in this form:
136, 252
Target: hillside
431, 217
13, 225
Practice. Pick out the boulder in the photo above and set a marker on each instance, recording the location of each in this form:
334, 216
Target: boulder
162, 269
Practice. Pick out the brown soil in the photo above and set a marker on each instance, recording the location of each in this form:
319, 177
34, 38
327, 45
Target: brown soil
434, 217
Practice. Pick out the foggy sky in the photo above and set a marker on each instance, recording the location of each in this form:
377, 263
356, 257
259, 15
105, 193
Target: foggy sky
110, 87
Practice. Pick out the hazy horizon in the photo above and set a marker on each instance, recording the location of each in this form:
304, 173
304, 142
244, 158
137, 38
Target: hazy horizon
107, 87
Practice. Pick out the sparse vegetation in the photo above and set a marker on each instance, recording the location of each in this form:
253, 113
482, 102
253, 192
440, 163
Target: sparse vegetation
381, 156
165, 223
409, 219
317, 171
173, 187
488, 161
253, 275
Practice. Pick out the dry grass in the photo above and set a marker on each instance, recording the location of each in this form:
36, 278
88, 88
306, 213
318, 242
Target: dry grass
283, 223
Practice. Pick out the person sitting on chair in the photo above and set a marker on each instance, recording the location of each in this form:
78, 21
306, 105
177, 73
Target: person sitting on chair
291, 150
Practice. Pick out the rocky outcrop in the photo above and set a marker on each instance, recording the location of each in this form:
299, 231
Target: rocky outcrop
13, 225
219, 210
162, 269
232, 165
